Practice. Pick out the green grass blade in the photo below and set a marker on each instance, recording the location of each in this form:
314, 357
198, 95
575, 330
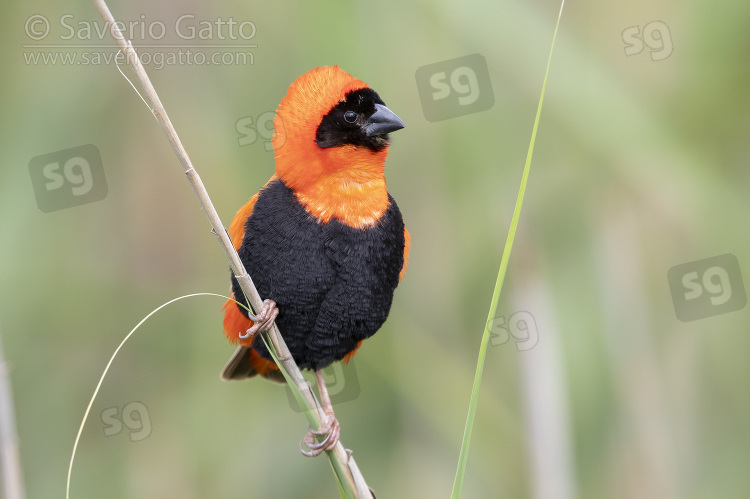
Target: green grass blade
463, 456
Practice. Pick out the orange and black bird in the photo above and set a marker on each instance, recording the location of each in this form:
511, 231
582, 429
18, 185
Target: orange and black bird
323, 241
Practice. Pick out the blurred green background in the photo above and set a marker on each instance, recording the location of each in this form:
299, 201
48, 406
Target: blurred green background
640, 165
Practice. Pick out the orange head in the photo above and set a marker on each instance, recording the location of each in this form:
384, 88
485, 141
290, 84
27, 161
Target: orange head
331, 133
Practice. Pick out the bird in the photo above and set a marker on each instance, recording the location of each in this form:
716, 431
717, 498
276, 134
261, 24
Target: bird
323, 241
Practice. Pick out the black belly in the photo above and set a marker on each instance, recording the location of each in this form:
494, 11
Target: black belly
333, 284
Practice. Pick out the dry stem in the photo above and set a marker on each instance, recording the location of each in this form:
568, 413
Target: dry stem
10, 464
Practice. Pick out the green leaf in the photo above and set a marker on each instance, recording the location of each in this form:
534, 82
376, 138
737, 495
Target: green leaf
463, 456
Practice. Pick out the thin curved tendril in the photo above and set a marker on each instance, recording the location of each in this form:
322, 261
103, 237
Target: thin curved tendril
106, 369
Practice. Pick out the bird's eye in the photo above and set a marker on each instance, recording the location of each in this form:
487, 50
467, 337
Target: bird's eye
350, 116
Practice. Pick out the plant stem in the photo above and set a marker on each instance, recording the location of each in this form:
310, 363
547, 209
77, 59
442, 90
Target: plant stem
10, 464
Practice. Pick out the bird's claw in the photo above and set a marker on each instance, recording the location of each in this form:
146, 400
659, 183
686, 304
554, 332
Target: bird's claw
264, 320
331, 430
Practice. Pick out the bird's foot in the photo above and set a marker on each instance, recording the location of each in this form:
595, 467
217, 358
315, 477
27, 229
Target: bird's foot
331, 429
264, 320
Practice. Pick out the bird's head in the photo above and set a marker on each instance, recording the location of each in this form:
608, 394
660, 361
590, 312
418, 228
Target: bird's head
330, 123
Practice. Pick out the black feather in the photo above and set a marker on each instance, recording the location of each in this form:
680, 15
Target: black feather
333, 284
335, 130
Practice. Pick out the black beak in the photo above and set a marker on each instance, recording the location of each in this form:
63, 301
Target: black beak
383, 121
